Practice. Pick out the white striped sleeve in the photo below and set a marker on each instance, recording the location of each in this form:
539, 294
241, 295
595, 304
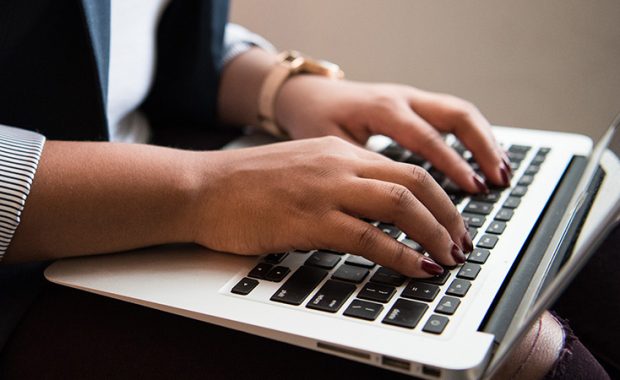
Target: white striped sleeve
20, 151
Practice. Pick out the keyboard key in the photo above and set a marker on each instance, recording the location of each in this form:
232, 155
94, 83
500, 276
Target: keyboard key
515, 165
415, 159
388, 277
456, 198
448, 305
394, 151
518, 191
390, 229
437, 175
363, 310
359, 261
420, 291
538, 159
435, 324
260, 270
519, 148
405, 313
544, 150
526, 180
377, 292
481, 208
299, 286
474, 220
277, 274
413, 245
532, 169
439, 279
323, 259
496, 227
245, 286
478, 256
469, 271
515, 156
491, 197
504, 214
331, 296
350, 273
512, 202
472, 232
458, 287
487, 241
275, 258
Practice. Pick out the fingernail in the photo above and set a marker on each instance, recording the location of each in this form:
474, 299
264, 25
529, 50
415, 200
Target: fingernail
457, 254
504, 174
431, 267
468, 246
480, 184
507, 165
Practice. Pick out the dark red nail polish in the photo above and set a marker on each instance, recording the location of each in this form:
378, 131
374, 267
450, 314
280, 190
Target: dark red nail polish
507, 165
431, 267
457, 254
468, 246
504, 174
480, 184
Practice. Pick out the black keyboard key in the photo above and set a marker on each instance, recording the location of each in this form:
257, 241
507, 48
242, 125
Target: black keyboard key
469, 271
472, 232
515, 165
435, 324
439, 279
299, 286
448, 305
389, 229
478, 256
458, 287
474, 220
519, 148
405, 313
512, 202
526, 180
437, 175
415, 159
504, 214
245, 286
518, 191
491, 197
277, 274
420, 291
413, 245
275, 258
538, 159
496, 227
260, 270
323, 259
544, 150
487, 241
515, 156
481, 208
394, 151
456, 198
388, 277
532, 169
363, 310
377, 292
331, 296
350, 273
359, 261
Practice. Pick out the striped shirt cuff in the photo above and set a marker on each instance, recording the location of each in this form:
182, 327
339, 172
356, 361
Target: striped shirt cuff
20, 151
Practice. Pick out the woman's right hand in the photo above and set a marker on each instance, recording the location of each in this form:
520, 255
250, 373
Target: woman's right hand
313, 193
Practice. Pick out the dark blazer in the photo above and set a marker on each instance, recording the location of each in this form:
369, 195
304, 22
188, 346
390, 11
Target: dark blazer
54, 61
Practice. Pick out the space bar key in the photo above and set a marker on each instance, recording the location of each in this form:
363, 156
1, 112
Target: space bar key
299, 286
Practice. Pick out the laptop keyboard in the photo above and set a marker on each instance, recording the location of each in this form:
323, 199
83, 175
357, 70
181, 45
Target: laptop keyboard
373, 288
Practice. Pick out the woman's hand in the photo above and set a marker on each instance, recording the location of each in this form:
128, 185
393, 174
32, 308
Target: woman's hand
312, 193
311, 106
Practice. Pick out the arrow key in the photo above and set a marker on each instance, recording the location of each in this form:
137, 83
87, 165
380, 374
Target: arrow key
448, 305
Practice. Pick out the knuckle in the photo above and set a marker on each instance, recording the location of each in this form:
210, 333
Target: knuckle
367, 237
385, 103
400, 197
420, 176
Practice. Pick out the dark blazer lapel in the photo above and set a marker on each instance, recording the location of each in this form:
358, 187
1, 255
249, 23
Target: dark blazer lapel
97, 17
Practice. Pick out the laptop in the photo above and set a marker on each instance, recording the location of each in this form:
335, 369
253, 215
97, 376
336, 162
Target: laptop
530, 240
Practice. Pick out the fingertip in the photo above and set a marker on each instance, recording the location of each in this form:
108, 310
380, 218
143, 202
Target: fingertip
430, 267
479, 183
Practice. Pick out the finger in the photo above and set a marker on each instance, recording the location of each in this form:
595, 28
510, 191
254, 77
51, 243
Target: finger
415, 134
360, 238
427, 191
394, 203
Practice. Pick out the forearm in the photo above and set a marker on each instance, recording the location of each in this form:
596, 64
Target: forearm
90, 198
240, 85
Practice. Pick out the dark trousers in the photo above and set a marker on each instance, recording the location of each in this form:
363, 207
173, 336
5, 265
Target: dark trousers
69, 334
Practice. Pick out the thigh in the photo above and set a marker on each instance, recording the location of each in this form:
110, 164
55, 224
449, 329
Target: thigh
68, 334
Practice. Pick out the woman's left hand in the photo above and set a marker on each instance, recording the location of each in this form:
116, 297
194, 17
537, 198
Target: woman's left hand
312, 106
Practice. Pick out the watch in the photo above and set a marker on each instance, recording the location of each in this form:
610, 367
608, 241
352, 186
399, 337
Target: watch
290, 63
